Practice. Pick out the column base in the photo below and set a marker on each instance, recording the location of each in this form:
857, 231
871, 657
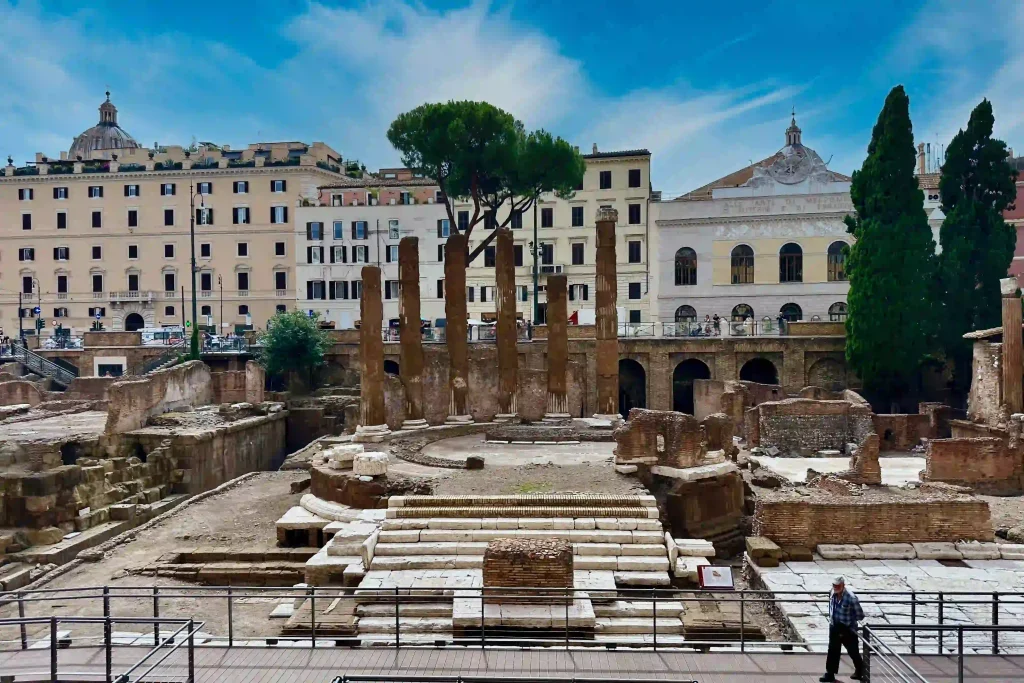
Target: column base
615, 419
459, 420
415, 424
556, 418
507, 418
371, 433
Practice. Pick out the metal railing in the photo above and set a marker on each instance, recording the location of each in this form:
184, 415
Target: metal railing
883, 663
42, 366
162, 643
150, 364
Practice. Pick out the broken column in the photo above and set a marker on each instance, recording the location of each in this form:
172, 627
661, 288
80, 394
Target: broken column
607, 351
457, 329
411, 339
1012, 350
508, 355
558, 350
372, 417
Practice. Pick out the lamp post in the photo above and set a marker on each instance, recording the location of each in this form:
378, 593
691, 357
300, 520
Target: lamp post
194, 345
220, 283
536, 306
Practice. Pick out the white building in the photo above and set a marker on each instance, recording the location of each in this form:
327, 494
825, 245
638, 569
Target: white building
766, 240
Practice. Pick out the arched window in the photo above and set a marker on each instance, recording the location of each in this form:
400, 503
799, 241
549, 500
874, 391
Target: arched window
742, 265
791, 263
686, 267
685, 314
791, 312
837, 261
741, 312
837, 311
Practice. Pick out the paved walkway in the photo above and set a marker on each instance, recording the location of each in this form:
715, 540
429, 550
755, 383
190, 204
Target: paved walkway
295, 665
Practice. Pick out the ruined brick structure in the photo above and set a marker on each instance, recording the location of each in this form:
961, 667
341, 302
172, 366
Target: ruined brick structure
528, 563
637, 439
411, 365
987, 464
607, 329
718, 433
805, 426
558, 349
507, 337
864, 465
457, 327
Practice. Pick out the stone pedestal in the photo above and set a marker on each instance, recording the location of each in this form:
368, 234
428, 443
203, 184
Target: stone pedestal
415, 424
607, 327
372, 415
457, 329
411, 339
1012, 350
507, 418
558, 350
370, 464
511, 563
508, 354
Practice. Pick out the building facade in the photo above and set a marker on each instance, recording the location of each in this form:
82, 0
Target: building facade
765, 242
102, 234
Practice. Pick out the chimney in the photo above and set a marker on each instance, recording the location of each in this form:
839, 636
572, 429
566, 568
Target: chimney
920, 159
595, 148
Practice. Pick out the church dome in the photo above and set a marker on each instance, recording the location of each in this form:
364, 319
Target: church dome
104, 138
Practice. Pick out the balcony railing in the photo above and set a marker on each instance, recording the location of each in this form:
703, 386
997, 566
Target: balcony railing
132, 295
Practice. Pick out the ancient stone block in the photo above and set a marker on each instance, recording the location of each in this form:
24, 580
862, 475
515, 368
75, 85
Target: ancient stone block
370, 464
133, 401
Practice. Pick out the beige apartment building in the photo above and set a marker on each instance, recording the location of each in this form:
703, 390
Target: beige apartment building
102, 233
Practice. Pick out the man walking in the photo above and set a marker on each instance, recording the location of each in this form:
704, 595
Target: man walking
844, 612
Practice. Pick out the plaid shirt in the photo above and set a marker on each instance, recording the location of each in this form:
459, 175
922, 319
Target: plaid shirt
844, 610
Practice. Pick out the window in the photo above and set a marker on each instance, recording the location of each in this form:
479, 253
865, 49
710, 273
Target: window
486, 294
444, 228
168, 251
205, 310
168, 216
547, 254
634, 177
95, 191
60, 312
314, 231
517, 254
243, 248
206, 281
314, 254
579, 292
243, 309
169, 282
27, 254
393, 230
26, 221
339, 230
240, 187
281, 308
167, 189
204, 216
404, 198
490, 221
634, 316
837, 262
742, 265
278, 185
741, 312
791, 263
686, 314
547, 217
205, 250
97, 285
26, 284
60, 193
634, 214
339, 254
240, 215
131, 191
168, 310
523, 293
517, 220
97, 253
440, 289
489, 257
357, 289
279, 249
837, 311
359, 254
440, 253
634, 290
391, 289
463, 219
61, 253
359, 230
25, 194
243, 281
133, 218
470, 293
391, 254
633, 247
278, 214
337, 289
205, 188
606, 180
280, 280
577, 216
97, 312
62, 284
133, 251
438, 197
686, 267
62, 221
315, 289
133, 282
791, 312
577, 253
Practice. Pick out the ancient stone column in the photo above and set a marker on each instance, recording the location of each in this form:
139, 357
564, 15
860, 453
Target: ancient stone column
372, 416
558, 350
508, 355
410, 337
457, 329
607, 350
1012, 350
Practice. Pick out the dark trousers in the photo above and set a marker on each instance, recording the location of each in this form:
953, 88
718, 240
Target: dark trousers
840, 636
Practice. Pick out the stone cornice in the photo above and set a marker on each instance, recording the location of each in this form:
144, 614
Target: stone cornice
732, 220
178, 173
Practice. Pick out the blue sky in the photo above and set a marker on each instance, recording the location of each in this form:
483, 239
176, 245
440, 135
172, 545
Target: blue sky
707, 87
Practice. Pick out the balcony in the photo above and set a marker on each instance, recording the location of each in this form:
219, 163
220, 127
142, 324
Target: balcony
206, 293
551, 269
281, 292
144, 296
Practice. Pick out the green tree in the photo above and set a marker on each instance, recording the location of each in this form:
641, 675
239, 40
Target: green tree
479, 152
977, 184
892, 262
295, 343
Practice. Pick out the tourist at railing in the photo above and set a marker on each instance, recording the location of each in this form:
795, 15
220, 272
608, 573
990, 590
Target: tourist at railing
844, 611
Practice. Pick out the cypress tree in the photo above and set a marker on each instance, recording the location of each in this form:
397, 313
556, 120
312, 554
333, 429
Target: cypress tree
977, 184
892, 262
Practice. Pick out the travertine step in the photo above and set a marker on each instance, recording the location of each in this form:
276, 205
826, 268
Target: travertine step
486, 535
642, 578
669, 625
414, 609
405, 625
639, 511
469, 523
626, 564
638, 608
575, 500
478, 548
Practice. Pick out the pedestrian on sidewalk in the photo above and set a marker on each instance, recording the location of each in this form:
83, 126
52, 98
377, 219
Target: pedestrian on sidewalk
844, 611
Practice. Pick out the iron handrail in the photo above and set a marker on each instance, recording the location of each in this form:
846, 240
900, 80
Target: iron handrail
147, 366
869, 636
34, 361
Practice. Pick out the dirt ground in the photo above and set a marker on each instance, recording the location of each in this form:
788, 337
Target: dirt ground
1006, 511
526, 479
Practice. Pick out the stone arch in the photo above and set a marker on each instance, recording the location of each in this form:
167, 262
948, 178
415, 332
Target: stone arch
760, 370
682, 383
827, 373
632, 386
121, 313
391, 367
133, 322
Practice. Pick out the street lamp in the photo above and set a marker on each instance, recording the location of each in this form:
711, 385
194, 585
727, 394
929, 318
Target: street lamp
194, 345
220, 284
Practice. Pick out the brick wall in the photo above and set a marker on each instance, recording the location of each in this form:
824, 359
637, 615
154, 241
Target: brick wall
985, 463
528, 563
637, 439
805, 426
809, 523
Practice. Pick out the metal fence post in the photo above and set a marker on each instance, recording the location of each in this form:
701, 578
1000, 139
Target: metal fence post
866, 659
53, 649
108, 647
960, 654
398, 638
941, 605
312, 616
913, 622
156, 616
106, 601
654, 619
995, 622
231, 621
191, 652
21, 615
743, 610
568, 599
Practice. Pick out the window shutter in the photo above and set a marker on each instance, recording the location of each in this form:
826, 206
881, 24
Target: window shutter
332, 254
284, 186
125, 190
199, 216
330, 289
470, 293
344, 255
272, 215
56, 252
285, 214
586, 292
309, 290
55, 193
323, 292
438, 227
572, 293
174, 189
209, 216
309, 231
353, 229
387, 255
321, 254
309, 254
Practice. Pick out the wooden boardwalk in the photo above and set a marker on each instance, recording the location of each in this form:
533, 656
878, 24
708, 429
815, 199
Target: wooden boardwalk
296, 665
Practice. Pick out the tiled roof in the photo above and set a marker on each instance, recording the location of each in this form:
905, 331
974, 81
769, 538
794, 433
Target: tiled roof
620, 153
